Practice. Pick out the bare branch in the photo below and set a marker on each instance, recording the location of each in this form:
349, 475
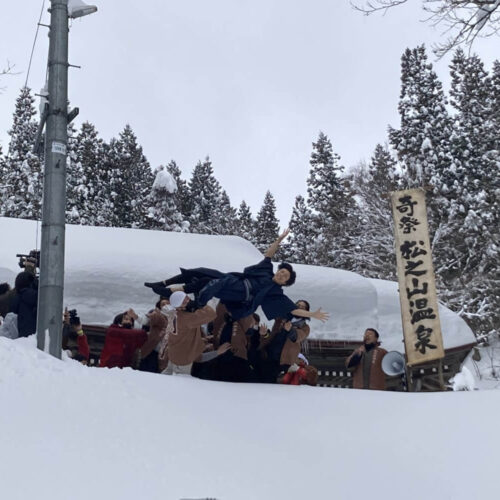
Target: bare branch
8, 70
383, 5
465, 19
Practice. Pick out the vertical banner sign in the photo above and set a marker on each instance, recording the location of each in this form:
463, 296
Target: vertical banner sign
417, 288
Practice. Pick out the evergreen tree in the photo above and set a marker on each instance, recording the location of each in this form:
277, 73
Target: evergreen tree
331, 204
422, 141
130, 180
3, 174
267, 226
246, 223
76, 183
205, 195
297, 247
475, 207
163, 213
227, 216
95, 205
22, 177
495, 100
181, 197
374, 250
423, 148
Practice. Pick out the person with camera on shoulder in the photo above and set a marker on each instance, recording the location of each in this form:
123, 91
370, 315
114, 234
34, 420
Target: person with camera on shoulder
24, 302
73, 333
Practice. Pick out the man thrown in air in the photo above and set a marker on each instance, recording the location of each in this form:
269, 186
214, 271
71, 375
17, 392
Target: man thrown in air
242, 293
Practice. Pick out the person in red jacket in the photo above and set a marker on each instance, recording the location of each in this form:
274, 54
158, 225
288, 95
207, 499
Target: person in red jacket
121, 342
301, 373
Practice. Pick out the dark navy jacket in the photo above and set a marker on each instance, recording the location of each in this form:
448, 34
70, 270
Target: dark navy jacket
234, 293
24, 304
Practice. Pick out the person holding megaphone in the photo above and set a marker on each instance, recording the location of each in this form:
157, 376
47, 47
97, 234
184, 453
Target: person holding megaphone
366, 362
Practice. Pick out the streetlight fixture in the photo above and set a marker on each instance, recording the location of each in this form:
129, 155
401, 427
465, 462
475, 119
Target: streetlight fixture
77, 8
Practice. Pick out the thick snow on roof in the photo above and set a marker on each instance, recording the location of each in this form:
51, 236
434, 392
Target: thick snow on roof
106, 269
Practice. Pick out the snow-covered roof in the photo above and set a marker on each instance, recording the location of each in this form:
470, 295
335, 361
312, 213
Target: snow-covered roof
106, 269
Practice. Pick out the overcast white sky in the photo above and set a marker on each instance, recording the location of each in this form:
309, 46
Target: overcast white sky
249, 83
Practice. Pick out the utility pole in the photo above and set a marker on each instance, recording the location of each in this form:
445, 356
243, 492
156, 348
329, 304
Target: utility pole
55, 115
51, 286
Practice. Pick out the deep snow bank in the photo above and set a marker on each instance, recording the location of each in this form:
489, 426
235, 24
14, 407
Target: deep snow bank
67, 431
106, 269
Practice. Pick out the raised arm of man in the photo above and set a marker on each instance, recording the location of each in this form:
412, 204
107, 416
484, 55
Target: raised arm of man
274, 246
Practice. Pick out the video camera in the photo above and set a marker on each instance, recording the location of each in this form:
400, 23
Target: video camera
73, 317
33, 257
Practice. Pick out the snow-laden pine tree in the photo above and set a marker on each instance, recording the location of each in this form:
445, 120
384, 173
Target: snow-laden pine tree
267, 225
205, 195
130, 180
423, 148
331, 205
227, 216
163, 213
475, 209
93, 199
246, 222
495, 99
22, 178
76, 182
422, 140
181, 196
297, 247
372, 183
3, 173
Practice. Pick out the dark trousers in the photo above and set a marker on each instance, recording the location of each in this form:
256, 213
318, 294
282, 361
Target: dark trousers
150, 363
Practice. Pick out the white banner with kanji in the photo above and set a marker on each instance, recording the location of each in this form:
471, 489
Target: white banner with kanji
417, 288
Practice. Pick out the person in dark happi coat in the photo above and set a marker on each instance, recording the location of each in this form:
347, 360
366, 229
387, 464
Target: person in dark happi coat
243, 293
366, 363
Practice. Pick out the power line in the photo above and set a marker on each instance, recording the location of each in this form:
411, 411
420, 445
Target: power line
34, 43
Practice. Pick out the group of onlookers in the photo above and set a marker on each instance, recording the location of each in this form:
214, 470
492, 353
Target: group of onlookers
177, 336
180, 337
183, 334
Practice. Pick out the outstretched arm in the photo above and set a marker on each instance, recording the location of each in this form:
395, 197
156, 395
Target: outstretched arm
318, 314
274, 247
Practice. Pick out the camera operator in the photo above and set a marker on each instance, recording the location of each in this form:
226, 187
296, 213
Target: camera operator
24, 302
73, 332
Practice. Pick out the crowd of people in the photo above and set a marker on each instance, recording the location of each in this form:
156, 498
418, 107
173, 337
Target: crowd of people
184, 334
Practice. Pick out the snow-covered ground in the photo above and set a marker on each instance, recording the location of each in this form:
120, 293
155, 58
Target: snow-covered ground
106, 269
72, 432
